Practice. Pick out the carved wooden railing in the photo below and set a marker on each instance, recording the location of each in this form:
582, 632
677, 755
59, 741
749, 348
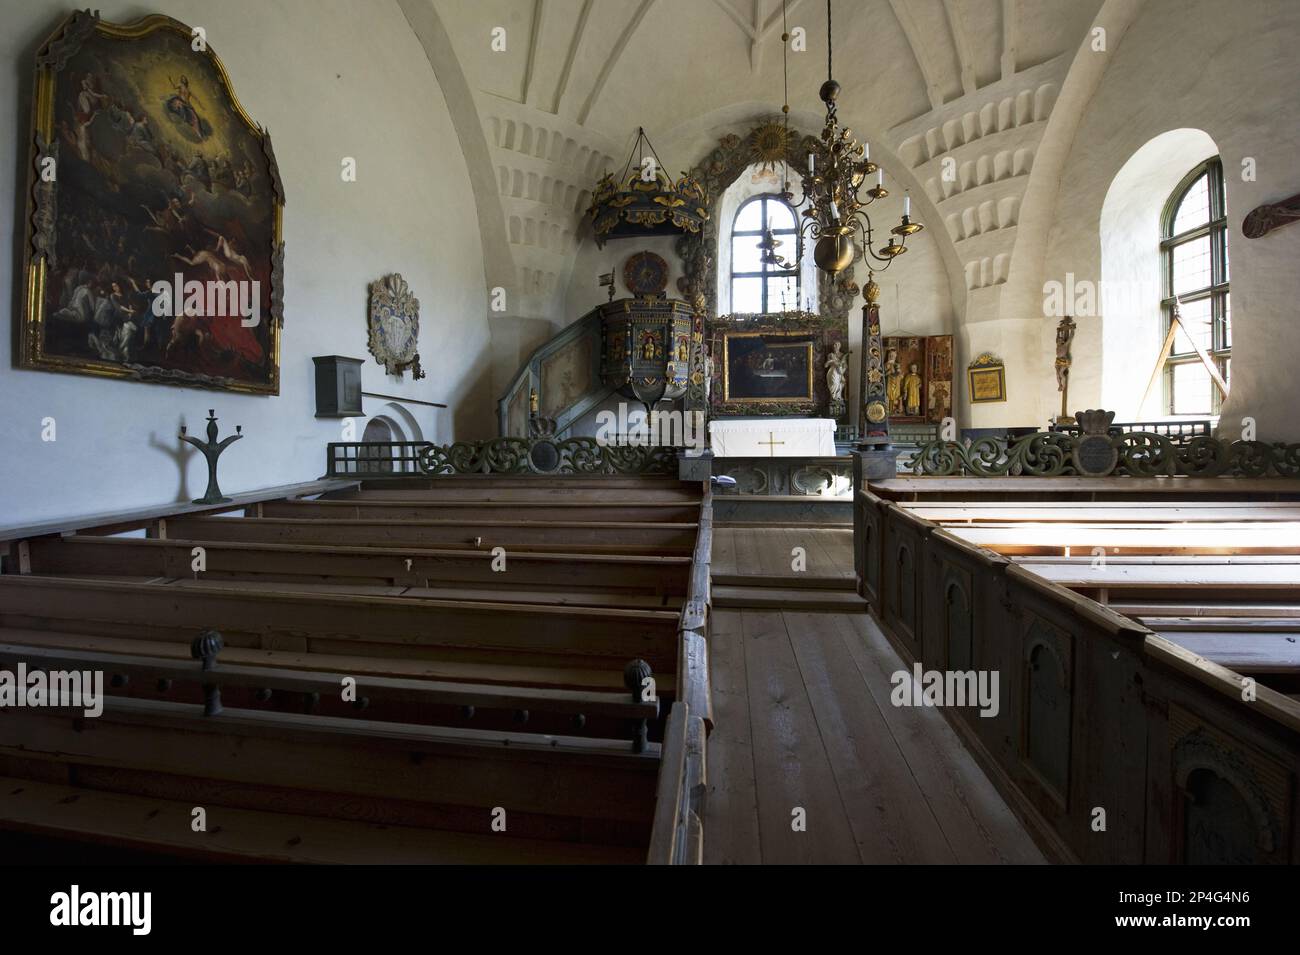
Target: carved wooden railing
1132, 454
1176, 430
538, 455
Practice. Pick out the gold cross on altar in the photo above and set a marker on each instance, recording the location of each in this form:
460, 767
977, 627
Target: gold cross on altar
770, 442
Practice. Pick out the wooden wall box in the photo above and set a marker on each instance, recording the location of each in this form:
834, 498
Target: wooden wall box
338, 386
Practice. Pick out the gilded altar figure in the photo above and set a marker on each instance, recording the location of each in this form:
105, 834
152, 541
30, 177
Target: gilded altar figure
893, 382
912, 390
837, 369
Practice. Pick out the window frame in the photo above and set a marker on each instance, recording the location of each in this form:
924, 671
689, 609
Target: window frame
768, 271
1217, 292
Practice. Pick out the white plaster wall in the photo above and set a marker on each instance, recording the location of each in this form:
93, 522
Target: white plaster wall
589, 263
328, 78
1185, 64
1131, 267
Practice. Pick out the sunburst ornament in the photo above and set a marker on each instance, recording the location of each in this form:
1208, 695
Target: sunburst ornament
769, 144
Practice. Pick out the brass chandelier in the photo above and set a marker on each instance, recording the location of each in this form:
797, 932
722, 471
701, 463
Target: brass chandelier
835, 215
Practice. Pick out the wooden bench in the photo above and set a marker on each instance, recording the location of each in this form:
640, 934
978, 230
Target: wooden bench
601, 713
345, 624
477, 689
1114, 689
1109, 489
161, 829
560, 788
564, 510
1122, 512
1119, 539
546, 573
628, 537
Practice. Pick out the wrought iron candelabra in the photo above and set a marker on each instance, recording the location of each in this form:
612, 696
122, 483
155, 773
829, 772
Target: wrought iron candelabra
834, 202
212, 449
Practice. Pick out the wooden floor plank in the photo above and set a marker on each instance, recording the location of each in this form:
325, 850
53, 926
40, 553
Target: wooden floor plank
891, 818
821, 562
790, 764
839, 542
768, 545
731, 810
978, 825
724, 550
748, 553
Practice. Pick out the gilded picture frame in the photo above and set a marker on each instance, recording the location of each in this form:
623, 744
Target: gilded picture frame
795, 356
986, 380
154, 231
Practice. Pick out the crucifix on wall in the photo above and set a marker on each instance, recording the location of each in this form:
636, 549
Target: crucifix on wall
1064, 336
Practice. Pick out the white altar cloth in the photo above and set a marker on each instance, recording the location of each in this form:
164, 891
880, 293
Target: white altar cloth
772, 437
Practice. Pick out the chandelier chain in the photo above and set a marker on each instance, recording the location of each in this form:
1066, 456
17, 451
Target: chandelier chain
829, 71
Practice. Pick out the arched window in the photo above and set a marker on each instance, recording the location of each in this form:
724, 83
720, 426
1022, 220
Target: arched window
759, 286
1194, 253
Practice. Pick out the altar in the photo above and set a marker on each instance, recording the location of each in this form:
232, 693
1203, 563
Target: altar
772, 437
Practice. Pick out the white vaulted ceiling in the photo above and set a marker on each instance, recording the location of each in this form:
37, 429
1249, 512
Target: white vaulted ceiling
604, 64
963, 87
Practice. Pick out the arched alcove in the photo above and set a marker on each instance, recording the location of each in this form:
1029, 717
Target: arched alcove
1129, 303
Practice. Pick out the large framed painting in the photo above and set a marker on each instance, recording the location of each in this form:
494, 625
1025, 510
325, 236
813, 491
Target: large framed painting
764, 366
154, 248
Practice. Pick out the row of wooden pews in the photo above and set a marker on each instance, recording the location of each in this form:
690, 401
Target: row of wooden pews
459, 669
1147, 633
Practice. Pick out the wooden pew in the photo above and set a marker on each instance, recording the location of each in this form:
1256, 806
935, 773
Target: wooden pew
563, 510
368, 598
1122, 512
551, 788
86, 556
1096, 708
602, 713
605, 537
1118, 539
161, 830
1148, 490
344, 624
1184, 584
524, 488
